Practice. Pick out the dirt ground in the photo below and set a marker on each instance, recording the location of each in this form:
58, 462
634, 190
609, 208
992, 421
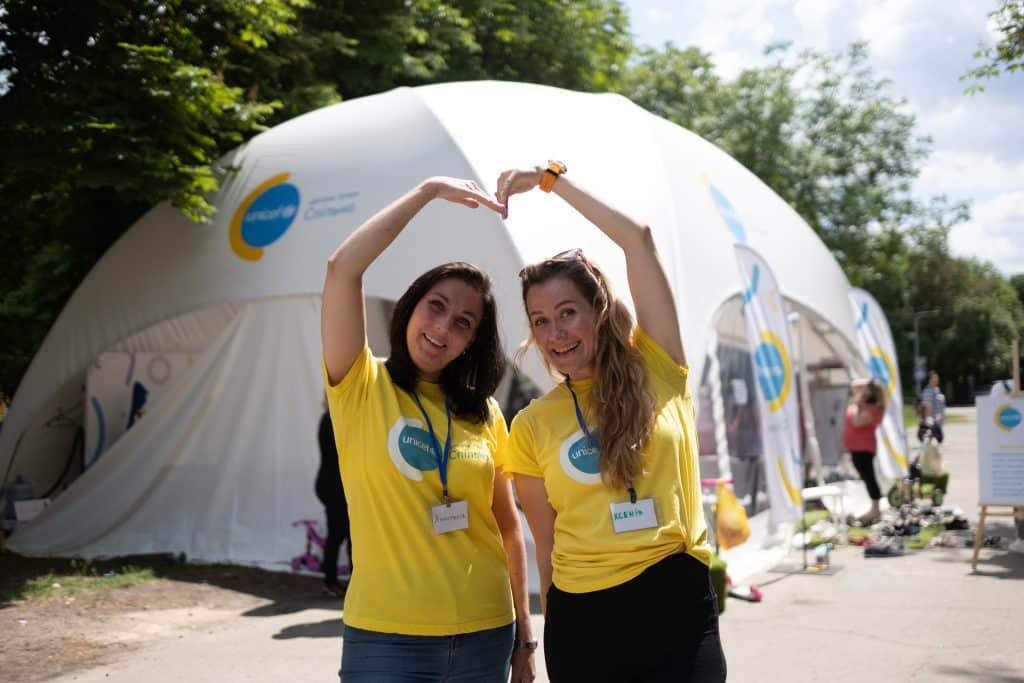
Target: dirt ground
44, 637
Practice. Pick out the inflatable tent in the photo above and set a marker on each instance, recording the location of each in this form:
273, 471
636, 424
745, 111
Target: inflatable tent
195, 349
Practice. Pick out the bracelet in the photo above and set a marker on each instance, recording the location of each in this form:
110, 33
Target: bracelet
524, 644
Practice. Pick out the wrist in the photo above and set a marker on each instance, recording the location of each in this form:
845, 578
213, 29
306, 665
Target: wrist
529, 645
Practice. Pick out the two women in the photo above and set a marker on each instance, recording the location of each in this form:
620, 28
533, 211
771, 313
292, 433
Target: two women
605, 466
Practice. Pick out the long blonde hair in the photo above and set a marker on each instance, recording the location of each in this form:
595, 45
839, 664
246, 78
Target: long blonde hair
621, 403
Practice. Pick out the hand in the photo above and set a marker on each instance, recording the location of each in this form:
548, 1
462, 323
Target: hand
465, 192
524, 666
517, 181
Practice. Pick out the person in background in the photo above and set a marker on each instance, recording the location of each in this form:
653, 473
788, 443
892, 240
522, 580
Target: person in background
440, 594
331, 492
863, 415
606, 464
931, 407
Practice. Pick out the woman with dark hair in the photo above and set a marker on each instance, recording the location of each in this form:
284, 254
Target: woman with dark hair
606, 465
863, 415
439, 592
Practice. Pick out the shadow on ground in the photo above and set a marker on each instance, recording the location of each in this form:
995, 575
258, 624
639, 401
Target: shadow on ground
981, 672
329, 628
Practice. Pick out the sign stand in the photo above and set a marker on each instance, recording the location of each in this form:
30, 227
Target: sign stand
983, 510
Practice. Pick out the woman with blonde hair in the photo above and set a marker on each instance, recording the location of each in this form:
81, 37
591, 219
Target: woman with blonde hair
605, 463
863, 415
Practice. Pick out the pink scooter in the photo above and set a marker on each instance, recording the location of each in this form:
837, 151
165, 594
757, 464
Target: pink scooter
308, 560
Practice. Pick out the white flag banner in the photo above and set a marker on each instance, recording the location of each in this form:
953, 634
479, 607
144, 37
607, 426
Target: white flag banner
874, 339
771, 352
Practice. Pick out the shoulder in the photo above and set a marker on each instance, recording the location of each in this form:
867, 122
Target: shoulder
657, 358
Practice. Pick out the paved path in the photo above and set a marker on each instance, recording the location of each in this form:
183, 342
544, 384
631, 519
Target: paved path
922, 617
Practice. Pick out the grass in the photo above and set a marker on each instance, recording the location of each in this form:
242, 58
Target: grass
83, 576
910, 419
69, 577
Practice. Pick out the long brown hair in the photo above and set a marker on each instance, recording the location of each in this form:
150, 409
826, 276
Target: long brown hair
621, 404
472, 377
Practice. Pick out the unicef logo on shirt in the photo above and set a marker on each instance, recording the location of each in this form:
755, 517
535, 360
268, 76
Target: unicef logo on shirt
411, 448
580, 458
774, 371
1008, 418
264, 215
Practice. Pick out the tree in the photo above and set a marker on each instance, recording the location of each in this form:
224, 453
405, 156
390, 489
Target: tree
108, 107
1007, 55
825, 133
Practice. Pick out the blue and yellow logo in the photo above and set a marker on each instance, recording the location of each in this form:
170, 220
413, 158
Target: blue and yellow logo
882, 368
264, 215
1007, 417
774, 371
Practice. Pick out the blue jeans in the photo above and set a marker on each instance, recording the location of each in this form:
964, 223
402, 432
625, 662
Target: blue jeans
373, 657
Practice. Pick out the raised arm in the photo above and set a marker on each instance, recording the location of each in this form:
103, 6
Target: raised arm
343, 317
652, 295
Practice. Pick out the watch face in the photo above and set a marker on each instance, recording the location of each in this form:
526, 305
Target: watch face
556, 166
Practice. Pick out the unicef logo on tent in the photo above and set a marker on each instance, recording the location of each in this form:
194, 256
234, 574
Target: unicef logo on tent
774, 371
580, 458
1007, 417
264, 215
411, 449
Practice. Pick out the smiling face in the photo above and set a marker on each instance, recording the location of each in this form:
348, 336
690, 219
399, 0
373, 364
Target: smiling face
563, 324
442, 325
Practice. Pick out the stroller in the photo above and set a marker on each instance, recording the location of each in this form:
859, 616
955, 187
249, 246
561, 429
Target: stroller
926, 461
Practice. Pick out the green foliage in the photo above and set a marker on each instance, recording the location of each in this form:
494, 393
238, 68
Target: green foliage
108, 107
825, 133
1007, 55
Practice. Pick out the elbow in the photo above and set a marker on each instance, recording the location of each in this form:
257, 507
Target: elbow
645, 237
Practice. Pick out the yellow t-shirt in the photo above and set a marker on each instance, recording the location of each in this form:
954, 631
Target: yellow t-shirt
409, 580
546, 441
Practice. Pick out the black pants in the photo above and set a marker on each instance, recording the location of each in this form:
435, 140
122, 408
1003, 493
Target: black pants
337, 533
936, 432
864, 463
660, 626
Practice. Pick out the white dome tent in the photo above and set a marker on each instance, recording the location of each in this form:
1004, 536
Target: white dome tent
223, 461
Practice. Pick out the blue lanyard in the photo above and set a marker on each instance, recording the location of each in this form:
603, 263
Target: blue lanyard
439, 455
590, 438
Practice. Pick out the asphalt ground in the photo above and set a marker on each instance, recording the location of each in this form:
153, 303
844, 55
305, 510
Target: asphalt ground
924, 616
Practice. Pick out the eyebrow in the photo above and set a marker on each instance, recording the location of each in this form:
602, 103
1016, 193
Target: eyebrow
448, 301
558, 305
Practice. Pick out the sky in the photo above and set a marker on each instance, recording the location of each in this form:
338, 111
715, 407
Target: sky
923, 47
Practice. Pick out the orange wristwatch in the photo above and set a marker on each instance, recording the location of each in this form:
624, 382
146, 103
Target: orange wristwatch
550, 175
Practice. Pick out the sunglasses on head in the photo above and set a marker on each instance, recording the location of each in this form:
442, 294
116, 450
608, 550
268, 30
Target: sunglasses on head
574, 254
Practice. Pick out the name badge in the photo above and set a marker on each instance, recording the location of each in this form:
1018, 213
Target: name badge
633, 516
448, 518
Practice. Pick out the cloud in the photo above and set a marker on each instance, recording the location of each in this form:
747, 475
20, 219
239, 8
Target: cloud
995, 233
976, 174
923, 47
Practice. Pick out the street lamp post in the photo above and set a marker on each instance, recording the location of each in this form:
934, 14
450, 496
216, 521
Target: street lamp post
919, 371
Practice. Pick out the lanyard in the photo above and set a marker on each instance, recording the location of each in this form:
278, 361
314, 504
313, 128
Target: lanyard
439, 455
590, 438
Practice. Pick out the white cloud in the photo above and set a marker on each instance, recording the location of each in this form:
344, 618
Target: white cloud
960, 174
995, 233
924, 47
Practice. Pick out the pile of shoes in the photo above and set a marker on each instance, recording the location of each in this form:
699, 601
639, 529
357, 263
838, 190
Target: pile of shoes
891, 546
